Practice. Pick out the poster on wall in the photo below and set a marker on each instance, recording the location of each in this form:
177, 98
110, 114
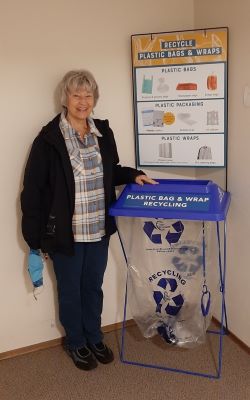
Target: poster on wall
180, 98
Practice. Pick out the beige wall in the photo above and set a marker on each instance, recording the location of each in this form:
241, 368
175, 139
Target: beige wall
235, 15
39, 42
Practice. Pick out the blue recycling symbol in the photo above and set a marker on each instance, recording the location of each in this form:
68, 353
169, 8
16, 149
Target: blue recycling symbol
171, 234
166, 299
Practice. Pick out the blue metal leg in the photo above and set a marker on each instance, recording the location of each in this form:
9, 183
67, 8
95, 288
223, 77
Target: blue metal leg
222, 272
123, 326
223, 305
125, 303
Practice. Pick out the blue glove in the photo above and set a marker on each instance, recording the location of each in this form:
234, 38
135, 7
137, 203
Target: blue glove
35, 267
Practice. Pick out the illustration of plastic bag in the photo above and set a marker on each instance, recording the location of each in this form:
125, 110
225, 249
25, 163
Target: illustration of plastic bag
147, 85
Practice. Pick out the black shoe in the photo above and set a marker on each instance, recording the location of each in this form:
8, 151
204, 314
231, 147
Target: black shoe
83, 358
102, 352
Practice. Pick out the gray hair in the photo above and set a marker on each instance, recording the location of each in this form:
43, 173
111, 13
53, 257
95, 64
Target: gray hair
78, 79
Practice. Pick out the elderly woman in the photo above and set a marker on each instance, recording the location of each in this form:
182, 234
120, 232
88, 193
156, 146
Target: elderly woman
69, 184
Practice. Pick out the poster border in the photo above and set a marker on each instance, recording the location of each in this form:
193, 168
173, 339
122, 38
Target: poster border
225, 133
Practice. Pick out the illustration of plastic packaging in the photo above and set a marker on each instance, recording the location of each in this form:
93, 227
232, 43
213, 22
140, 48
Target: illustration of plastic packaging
204, 153
169, 118
147, 85
163, 86
186, 118
212, 118
147, 117
170, 291
212, 82
165, 150
158, 118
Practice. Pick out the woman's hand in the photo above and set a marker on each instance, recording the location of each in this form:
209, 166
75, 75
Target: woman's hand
141, 179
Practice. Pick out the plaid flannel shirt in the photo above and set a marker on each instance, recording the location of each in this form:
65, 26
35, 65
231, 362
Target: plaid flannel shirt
88, 221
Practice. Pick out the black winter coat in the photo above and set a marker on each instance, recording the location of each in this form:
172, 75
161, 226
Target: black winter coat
48, 196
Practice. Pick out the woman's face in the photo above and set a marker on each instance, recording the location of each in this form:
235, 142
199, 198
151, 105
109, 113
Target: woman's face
79, 103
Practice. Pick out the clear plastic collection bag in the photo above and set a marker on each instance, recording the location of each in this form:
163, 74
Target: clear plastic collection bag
171, 291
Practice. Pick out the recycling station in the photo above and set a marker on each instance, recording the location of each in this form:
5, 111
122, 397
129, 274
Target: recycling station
173, 237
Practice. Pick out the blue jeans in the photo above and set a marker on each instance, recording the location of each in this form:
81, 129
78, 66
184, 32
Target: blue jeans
79, 285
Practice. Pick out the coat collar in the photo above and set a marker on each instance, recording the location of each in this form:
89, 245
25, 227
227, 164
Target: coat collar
52, 134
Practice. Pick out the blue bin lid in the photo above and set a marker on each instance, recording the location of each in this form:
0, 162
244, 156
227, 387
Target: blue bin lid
173, 198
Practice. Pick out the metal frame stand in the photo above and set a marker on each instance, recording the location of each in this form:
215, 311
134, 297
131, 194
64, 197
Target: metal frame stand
221, 332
